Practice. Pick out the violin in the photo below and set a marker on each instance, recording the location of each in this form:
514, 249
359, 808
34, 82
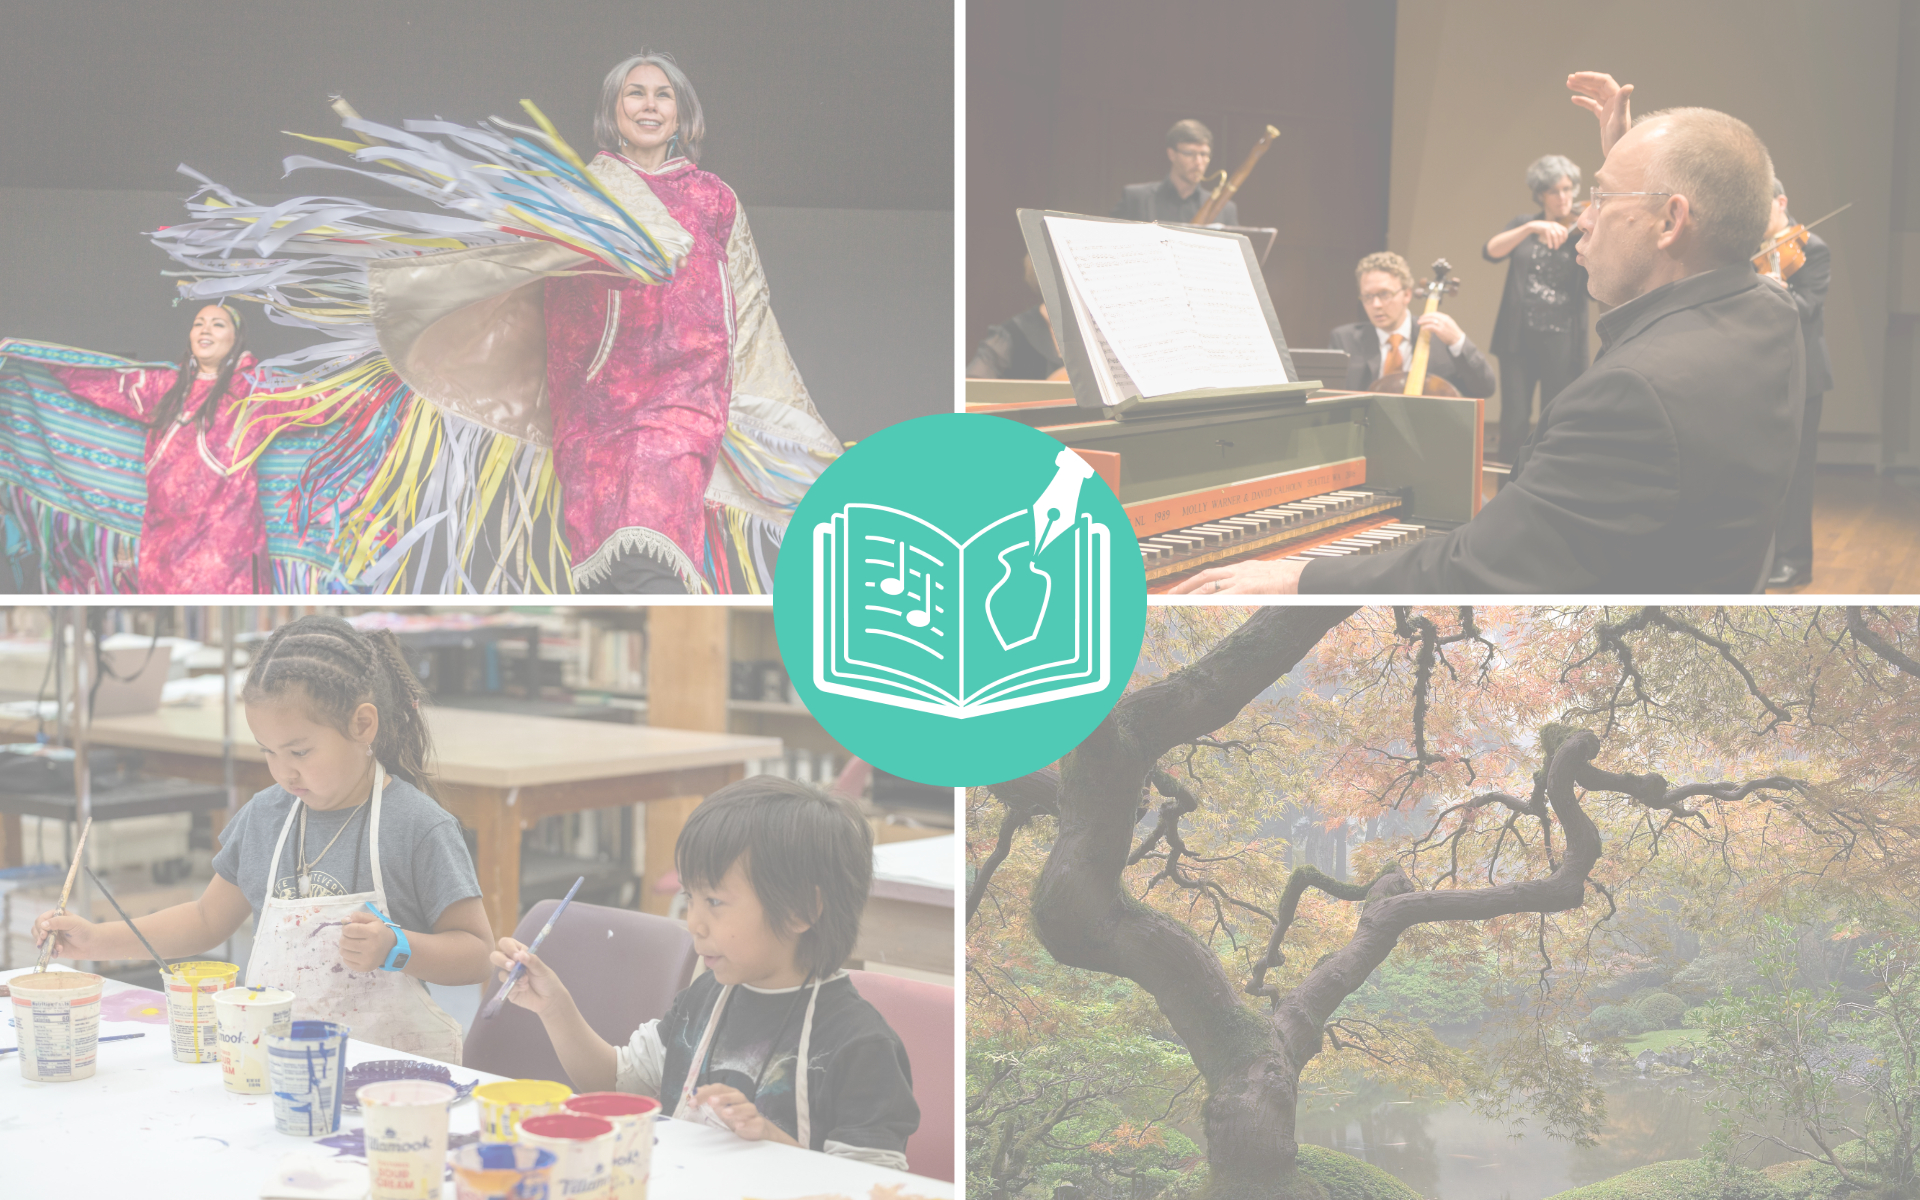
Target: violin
1414, 381
1573, 214
1786, 252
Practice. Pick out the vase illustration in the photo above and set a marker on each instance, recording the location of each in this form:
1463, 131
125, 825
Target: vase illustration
1017, 603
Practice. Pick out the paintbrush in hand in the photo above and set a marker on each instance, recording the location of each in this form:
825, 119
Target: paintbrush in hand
157, 960
80, 848
500, 997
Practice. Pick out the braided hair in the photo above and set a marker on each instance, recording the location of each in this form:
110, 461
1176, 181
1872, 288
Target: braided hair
339, 668
176, 396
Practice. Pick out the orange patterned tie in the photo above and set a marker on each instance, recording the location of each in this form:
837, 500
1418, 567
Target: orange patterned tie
1393, 362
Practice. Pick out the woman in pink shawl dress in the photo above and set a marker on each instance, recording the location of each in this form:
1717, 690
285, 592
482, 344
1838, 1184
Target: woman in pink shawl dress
640, 377
202, 530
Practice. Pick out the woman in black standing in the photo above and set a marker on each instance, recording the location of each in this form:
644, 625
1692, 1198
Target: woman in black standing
1541, 334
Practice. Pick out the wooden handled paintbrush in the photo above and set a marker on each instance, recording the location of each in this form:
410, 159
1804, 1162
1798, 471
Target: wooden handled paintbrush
46, 951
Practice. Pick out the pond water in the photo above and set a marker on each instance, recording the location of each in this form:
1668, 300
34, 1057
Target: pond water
1443, 1150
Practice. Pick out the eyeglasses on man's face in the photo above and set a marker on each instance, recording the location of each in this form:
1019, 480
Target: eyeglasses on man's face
1595, 195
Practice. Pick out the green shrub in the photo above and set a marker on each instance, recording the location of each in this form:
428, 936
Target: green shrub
1347, 1178
1603, 1022
1665, 1009
1691, 1179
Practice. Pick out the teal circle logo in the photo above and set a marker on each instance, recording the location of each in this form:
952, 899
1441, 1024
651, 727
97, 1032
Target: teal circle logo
960, 599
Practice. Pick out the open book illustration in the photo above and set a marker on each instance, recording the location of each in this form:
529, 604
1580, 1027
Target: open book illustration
907, 615
1164, 310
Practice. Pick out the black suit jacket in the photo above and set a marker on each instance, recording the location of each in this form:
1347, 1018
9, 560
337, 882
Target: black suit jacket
1468, 370
1808, 287
1661, 469
1160, 201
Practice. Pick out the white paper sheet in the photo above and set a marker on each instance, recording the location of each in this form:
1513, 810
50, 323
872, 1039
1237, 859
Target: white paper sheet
1164, 310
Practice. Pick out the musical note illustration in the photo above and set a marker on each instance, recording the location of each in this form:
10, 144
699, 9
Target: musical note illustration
921, 617
898, 584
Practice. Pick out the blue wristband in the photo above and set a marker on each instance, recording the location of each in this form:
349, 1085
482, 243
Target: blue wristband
402, 951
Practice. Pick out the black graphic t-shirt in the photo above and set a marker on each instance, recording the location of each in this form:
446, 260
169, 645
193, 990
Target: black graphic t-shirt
859, 1092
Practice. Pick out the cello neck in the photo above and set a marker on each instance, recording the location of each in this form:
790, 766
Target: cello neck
1422, 346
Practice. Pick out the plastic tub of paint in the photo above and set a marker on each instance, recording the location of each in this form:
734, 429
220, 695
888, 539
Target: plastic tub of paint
582, 1149
632, 1117
406, 1137
246, 1017
305, 1069
502, 1171
191, 1018
56, 1016
505, 1104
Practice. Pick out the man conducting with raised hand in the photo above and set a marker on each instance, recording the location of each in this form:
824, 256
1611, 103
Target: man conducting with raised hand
1664, 466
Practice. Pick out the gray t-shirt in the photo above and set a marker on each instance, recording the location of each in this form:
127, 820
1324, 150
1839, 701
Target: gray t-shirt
423, 859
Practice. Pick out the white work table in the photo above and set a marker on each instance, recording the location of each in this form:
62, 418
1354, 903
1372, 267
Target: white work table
145, 1125
909, 915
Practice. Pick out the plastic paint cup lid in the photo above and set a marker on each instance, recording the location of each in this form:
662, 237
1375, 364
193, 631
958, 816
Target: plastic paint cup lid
522, 1091
508, 1158
569, 1127
405, 1092
55, 982
244, 996
611, 1104
311, 1031
195, 972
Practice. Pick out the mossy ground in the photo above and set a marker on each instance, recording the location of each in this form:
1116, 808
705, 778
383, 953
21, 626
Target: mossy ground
1347, 1178
1661, 1040
1688, 1179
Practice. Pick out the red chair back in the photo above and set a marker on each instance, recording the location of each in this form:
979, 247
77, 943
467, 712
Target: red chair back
922, 1014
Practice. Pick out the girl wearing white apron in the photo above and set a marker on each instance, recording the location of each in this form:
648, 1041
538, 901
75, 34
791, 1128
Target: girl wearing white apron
337, 715
296, 946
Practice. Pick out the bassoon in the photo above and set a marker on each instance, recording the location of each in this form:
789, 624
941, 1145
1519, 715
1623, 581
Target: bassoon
1210, 211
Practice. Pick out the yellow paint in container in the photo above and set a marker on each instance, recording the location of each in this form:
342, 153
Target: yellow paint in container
504, 1105
191, 1017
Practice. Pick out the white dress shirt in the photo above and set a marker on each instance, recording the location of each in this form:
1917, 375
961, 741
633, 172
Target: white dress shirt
1405, 331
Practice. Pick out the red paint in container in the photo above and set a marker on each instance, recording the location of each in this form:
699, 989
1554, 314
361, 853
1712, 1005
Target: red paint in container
632, 1118
583, 1152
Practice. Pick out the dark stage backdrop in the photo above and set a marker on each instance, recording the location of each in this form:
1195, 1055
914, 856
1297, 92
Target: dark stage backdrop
1067, 100
833, 120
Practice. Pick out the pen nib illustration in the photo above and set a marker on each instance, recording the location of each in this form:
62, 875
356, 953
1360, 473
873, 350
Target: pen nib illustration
1060, 503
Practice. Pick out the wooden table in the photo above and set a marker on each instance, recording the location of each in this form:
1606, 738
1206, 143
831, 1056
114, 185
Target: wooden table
909, 915
171, 1129
497, 772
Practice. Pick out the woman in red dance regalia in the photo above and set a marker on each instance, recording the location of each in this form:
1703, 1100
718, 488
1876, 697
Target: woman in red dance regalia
640, 377
202, 530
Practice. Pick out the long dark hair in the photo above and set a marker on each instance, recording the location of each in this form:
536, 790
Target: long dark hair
340, 668
176, 396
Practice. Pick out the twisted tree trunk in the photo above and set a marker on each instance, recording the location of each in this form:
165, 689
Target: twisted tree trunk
1251, 1061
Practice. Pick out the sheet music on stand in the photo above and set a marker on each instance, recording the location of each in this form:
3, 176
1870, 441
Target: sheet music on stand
1164, 310
1261, 236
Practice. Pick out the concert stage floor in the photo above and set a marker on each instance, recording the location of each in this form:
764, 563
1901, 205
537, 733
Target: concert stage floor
1866, 535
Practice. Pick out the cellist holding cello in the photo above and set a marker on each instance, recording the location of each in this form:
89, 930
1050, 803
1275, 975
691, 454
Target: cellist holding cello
1799, 262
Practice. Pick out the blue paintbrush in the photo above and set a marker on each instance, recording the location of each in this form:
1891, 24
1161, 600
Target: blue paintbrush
117, 1037
500, 997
